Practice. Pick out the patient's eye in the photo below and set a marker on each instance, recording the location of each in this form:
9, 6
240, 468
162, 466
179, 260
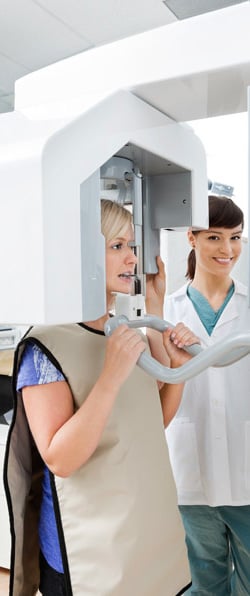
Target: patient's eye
116, 246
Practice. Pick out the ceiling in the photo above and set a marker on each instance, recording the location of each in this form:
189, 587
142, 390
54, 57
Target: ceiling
36, 33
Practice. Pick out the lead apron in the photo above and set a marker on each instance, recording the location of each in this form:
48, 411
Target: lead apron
119, 512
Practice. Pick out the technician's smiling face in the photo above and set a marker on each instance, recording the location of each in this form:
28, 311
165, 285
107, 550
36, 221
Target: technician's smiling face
217, 249
120, 264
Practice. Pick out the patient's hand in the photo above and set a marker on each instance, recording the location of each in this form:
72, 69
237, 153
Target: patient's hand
175, 339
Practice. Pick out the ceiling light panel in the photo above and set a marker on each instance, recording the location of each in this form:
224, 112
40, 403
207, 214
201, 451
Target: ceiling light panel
184, 9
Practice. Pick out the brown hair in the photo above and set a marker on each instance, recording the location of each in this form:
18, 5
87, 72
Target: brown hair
223, 213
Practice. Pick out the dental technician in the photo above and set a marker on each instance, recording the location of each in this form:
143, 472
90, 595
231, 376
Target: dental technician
209, 438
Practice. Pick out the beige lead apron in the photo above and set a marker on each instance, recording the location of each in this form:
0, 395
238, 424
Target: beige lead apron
119, 513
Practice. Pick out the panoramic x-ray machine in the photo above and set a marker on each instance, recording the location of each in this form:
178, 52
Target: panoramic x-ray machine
78, 134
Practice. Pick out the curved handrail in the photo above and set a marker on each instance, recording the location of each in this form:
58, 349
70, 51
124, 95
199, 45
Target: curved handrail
223, 353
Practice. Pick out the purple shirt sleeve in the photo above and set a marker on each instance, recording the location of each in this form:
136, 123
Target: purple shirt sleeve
36, 368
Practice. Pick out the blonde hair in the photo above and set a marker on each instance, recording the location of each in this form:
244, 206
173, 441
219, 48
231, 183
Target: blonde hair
115, 219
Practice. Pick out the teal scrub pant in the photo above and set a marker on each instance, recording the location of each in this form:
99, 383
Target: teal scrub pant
218, 543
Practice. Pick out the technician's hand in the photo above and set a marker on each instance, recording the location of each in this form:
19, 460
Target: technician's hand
177, 338
123, 350
155, 290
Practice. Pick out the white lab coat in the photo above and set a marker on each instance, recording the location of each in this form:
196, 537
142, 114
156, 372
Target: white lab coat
209, 438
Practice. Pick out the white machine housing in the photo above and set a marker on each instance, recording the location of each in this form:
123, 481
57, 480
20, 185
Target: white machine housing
123, 99
50, 172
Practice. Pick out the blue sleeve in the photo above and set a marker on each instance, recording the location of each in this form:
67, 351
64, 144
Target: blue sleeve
36, 368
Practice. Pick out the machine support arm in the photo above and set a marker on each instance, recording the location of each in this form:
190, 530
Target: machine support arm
225, 352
